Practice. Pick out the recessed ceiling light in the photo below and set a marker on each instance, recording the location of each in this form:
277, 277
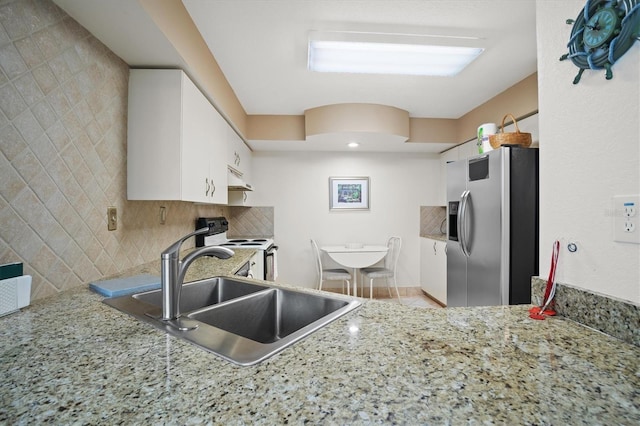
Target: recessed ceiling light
353, 144
388, 55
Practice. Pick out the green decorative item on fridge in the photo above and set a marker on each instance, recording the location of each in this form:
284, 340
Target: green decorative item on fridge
603, 32
484, 133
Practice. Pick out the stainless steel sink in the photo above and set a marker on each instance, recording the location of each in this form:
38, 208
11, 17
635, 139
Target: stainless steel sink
269, 316
241, 321
203, 293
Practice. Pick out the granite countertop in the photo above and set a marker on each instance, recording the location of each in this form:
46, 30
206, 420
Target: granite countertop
72, 359
202, 267
439, 237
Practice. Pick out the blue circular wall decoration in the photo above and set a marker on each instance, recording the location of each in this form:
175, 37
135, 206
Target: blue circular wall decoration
603, 32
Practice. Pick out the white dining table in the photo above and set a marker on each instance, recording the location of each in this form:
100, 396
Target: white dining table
356, 257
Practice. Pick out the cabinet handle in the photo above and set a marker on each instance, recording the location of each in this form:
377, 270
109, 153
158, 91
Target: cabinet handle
206, 186
435, 253
213, 187
244, 196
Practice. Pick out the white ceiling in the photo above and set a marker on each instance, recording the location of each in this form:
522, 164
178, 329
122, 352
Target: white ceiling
261, 46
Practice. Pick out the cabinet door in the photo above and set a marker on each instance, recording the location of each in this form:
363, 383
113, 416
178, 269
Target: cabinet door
233, 144
196, 147
176, 147
217, 154
239, 158
239, 155
433, 269
239, 198
153, 135
440, 272
445, 157
427, 264
257, 265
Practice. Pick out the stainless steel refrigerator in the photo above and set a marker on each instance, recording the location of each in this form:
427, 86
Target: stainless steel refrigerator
492, 240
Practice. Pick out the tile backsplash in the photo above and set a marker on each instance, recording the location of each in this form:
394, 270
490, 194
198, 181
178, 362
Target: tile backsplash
63, 138
254, 222
432, 220
615, 317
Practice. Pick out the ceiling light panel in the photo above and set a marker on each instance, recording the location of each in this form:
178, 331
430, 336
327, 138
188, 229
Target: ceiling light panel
408, 56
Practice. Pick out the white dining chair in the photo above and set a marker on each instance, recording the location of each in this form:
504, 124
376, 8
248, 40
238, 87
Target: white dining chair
328, 274
389, 269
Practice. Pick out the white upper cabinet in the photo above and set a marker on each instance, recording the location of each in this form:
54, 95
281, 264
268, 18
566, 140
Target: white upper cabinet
445, 157
238, 154
239, 158
177, 141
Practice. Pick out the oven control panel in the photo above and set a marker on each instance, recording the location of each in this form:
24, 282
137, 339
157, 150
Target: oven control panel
216, 225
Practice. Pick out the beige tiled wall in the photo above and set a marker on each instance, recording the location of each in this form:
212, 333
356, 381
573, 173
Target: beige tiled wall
253, 222
63, 136
431, 220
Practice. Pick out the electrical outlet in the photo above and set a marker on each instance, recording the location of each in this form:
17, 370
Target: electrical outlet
112, 218
629, 209
625, 221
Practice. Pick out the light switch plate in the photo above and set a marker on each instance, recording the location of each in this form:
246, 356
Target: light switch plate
626, 221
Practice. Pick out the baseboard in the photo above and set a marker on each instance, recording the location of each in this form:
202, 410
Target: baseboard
434, 299
382, 292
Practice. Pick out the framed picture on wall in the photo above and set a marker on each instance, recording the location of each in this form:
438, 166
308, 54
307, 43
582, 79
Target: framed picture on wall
348, 193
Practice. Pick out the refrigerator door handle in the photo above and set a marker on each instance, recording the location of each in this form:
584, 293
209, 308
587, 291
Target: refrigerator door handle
462, 222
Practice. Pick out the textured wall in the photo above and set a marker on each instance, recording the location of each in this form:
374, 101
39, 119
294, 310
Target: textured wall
63, 136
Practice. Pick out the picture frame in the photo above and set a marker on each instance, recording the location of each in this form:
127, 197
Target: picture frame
348, 193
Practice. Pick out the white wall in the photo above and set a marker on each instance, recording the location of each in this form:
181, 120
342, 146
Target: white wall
297, 185
589, 152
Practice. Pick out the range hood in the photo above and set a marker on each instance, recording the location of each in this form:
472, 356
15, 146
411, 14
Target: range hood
235, 181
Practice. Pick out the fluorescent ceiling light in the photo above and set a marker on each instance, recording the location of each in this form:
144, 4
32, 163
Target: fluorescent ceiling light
353, 144
389, 58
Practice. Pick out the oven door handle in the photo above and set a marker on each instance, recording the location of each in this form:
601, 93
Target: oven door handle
270, 267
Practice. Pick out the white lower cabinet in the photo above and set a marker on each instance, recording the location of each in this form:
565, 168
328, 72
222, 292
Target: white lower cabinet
177, 146
256, 266
433, 268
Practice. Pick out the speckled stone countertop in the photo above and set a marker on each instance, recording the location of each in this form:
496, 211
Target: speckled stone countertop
72, 359
202, 267
439, 237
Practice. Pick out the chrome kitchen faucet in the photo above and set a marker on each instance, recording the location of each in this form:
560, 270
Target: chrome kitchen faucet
173, 271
